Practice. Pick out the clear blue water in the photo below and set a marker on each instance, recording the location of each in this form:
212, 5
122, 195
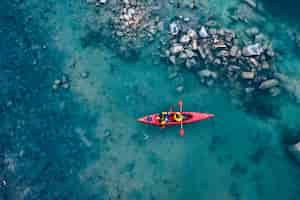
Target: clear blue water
84, 142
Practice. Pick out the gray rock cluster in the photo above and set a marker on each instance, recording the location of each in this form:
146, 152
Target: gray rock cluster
134, 25
216, 55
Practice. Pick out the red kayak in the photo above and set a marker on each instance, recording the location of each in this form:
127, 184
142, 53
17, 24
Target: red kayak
188, 117
171, 119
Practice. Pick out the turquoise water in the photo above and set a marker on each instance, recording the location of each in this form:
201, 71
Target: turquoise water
83, 142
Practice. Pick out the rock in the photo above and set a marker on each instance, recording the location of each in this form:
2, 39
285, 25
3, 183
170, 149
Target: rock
190, 63
192, 34
268, 84
57, 82
217, 61
233, 68
203, 32
275, 91
249, 90
66, 85
206, 73
186, 19
212, 31
103, 1
270, 52
235, 51
265, 65
172, 60
84, 75
194, 45
250, 3
201, 52
174, 28
252, 31
179, 89
185, 39
223, 53
252, 50
176, 48
172, 75
295, 151
189, 53
248, 75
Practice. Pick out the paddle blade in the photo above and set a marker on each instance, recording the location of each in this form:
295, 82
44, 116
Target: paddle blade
180, 103
181, 133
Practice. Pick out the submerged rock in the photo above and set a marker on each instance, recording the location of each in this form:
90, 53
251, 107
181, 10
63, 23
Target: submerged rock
203, 32
185, 39
174, 28
295, 151
268, 84
252, 50
248, 75
176, 48
179, 89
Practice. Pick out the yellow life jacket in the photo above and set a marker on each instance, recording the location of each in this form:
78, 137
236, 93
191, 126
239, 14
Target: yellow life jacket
178, 117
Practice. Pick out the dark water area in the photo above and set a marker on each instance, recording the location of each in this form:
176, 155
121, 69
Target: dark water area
39, 151
71, 93
288, 9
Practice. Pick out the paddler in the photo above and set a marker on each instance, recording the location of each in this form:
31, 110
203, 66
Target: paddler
178, 117
163, 118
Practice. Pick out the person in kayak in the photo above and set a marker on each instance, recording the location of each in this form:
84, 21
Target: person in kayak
163, 118
178, 117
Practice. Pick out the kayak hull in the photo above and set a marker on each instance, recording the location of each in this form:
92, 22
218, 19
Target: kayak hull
189, 117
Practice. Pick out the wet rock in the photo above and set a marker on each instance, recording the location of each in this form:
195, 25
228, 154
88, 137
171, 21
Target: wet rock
248, 75
173, 59
275, 91
103, 1
270, 52
268, 84
203, 32
194, 45
185, 39
235, 52
190, 63
201, 52
206, 73
179, 89
250, 3
172, 75
176, 48
252, 50
189, 53
234, 68
66, 85
265, 65
249, 90
192, 34
252, 31
84, 75
174, 28
294, 150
